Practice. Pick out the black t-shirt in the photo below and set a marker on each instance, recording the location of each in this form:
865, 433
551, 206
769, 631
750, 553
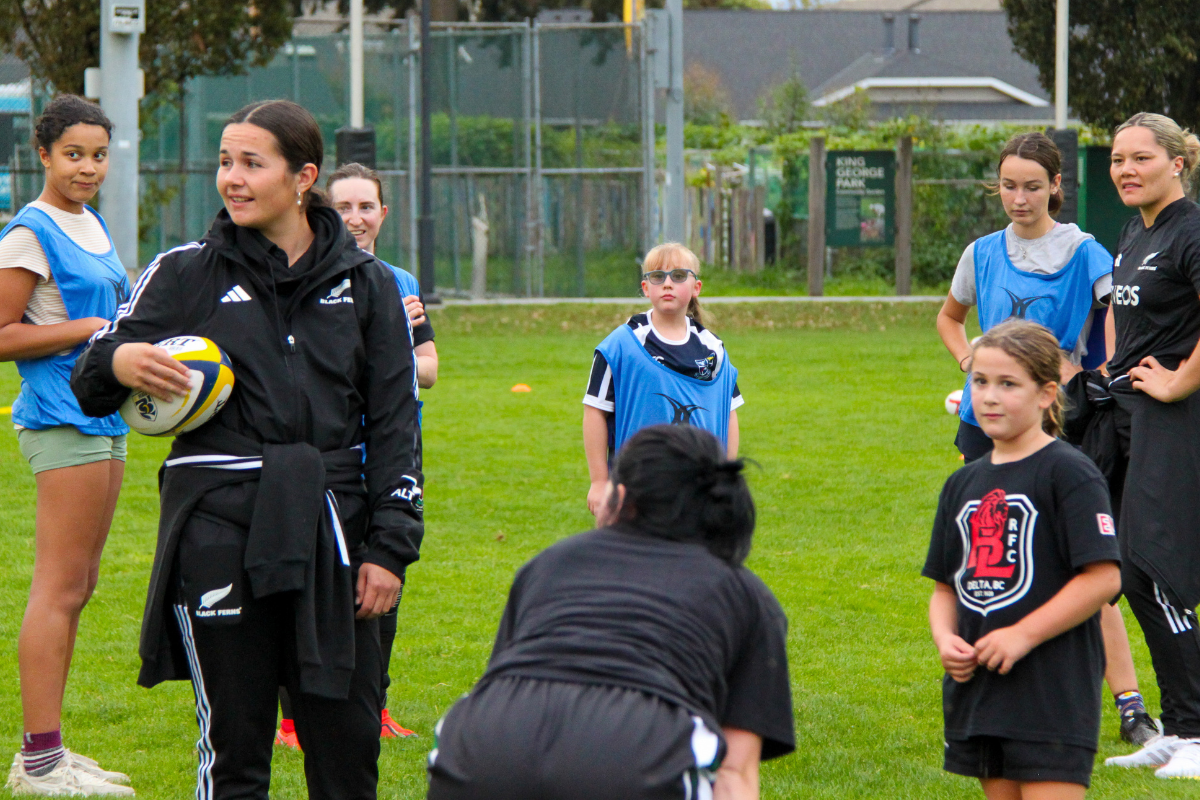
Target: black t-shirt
618, 608
1007, 538
1156, 283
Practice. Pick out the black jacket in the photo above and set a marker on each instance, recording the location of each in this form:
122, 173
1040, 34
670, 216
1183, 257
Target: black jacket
322, 356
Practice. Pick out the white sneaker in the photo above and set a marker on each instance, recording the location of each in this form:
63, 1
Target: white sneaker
1185, 763
67, 779
91, 765
1155, 753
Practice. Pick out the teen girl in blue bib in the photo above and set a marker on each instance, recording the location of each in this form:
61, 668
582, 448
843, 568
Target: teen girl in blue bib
61, 281
1060, 277
660, 367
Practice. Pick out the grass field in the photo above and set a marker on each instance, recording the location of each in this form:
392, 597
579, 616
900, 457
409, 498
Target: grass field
844, 418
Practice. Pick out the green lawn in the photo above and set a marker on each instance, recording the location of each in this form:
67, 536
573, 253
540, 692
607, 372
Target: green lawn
844, 418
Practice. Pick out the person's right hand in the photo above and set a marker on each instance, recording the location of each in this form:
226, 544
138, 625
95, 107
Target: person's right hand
958, 658
150, 369
415, 310
595, 497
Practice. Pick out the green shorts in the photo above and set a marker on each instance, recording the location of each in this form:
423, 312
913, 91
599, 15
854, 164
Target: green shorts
65, 446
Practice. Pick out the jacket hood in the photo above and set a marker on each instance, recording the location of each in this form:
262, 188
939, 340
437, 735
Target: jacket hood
333, 251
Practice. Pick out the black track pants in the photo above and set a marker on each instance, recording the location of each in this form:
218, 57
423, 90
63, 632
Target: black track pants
236, 673
524, 739
1173, 637
387, 637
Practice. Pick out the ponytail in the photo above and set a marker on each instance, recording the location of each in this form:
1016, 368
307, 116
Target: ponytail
693, 310
679, 485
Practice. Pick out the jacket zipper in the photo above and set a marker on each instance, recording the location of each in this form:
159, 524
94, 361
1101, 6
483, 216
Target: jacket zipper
291, 367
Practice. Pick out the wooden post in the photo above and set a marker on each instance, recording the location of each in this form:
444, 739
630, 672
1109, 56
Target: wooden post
816, 216
760, 227
904, 215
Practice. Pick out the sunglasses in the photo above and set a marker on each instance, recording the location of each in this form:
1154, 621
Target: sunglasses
658, 277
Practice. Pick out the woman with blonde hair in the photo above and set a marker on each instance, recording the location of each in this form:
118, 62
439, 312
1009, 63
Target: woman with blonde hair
662, 366
1155, 371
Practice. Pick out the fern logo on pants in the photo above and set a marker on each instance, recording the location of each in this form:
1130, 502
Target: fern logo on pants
997, 539
211, 598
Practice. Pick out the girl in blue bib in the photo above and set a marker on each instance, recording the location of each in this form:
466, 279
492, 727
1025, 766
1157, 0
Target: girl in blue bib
1054, 274
60, 282
662, 366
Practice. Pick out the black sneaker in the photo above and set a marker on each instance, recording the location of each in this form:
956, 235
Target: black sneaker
1139, 728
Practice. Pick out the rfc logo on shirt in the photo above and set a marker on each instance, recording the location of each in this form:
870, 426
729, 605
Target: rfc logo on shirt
997, 536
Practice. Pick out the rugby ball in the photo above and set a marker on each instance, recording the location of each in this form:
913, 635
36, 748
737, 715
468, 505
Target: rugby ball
953, 400
211, 377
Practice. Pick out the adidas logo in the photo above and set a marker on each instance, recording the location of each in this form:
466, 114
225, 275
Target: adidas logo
236, 295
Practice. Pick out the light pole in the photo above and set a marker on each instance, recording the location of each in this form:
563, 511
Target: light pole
121, 24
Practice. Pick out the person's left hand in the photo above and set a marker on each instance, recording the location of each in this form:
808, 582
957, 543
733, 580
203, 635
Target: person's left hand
415, 309
377, 591
1156, 380
1003, 648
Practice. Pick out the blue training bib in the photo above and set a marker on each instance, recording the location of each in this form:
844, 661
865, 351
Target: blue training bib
91, 285
648, 393
1060, 302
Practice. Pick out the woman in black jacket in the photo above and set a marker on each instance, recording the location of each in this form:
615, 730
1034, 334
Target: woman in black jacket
278, 544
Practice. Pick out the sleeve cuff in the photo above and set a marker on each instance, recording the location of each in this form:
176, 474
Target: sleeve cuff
596, 402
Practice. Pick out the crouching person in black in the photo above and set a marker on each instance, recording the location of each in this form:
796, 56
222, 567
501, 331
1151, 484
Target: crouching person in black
639, 660
278, 546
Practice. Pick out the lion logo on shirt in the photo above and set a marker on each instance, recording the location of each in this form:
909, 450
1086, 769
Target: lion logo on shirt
997, 538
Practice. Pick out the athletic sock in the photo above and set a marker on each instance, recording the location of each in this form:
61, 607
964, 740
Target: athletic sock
287, 725
1129, 703
42, 752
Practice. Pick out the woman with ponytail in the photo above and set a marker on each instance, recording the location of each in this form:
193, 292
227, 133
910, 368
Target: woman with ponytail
638, 660
1036, 269
660, 366
1155, 371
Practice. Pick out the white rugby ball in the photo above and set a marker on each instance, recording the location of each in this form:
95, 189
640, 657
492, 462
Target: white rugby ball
211, 382
953, 401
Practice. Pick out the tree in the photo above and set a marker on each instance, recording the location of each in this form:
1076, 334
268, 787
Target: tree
852, 112
1124, 56
59, 39
705, 98
784, 106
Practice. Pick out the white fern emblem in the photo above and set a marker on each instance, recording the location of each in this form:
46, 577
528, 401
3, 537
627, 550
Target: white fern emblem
209, 599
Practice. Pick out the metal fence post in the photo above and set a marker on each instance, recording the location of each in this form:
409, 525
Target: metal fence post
904, 215
650, 208
414, 53
816, 216
530, 197
539, 233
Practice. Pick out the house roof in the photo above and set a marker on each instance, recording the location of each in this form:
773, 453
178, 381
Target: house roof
831, 49
912, 5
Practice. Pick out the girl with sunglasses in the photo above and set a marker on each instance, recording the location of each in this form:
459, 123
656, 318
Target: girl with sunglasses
662, 366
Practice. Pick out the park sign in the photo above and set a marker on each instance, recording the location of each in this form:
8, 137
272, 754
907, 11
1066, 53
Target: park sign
860, 198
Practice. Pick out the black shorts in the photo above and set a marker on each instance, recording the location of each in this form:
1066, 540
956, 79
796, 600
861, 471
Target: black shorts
528, 739
972, 442
1015, 760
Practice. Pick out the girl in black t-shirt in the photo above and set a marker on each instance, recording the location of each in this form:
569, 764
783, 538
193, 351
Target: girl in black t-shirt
1024, 556
639, 660
1155, 372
